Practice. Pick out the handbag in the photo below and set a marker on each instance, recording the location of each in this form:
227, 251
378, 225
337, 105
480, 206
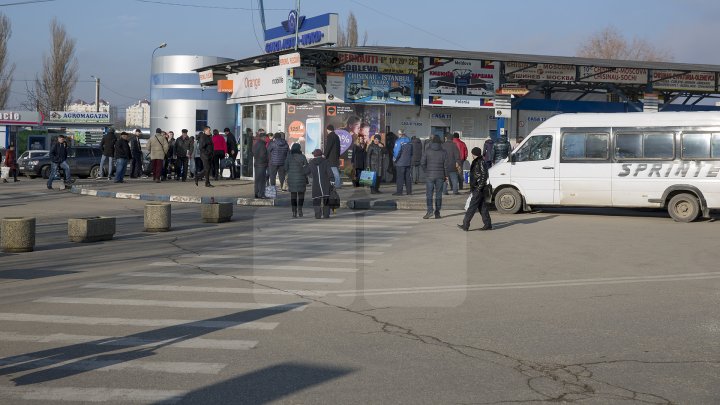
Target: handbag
270, 192
368, 178
334, 198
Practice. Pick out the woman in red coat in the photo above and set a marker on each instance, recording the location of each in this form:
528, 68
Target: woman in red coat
11, 162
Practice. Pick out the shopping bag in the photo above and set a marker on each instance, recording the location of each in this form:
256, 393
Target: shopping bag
368, 178
334, 199
5, 172
226, 173
270, 192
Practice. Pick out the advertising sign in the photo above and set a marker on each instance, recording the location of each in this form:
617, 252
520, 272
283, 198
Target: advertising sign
384, 88
540, 71
354, 120
289, 60
206, 76
305, 126
335, 87
259, 82
301, 83
459, 82
676, 80
358, 62
20, 118
600, 74
70, 117
314, 31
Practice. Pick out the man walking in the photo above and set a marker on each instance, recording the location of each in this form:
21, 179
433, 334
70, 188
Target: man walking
417, 152
434, 164
207, 150
277, 151
260, 164
122, 155
453, 162
232, 151
478, 183
136, 154
107, 144
332, 154
403, 160
183, 151
157, 147
58, 157
462, 148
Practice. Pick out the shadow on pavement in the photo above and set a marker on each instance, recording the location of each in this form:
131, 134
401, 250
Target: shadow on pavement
265, 385
526, 221
18, 274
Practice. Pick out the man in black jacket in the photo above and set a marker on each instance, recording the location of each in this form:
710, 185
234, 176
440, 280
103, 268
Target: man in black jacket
206, 152
183, 151
136, 152
58, 157
434, 164
260, 163
122, 155
478, 185
107, 144
232, 151
332, 153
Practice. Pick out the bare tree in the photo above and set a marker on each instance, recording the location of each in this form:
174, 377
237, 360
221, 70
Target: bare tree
6, 71
611, 44
53, 89
348, 35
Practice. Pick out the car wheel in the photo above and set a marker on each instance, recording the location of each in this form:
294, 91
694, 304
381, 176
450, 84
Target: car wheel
94, 172
45, 172
684, 207
508, 201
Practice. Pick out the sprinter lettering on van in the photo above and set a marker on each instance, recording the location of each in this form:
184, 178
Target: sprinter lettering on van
669, 170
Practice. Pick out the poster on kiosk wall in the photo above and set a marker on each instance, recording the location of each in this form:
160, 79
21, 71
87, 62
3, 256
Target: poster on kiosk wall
352, 121
304, 126
460, 82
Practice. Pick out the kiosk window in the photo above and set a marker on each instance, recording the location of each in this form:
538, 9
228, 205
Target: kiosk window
577, 146
696, 146
659, 146
537, 147
628, 146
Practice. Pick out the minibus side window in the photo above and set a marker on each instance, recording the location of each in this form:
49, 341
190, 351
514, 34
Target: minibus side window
628, 146
659, 146
596, 146
696, 146
537, 147
581, 146
573, 146
715, 146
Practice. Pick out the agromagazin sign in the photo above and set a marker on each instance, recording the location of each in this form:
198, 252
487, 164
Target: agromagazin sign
71, 117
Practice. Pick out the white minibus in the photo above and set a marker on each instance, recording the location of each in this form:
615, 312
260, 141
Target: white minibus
662, 160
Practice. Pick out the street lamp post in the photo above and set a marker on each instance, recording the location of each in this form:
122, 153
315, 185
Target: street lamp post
152, 58
97, 93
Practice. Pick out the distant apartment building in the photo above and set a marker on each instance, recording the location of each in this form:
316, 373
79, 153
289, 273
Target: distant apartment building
138, 115
82, 106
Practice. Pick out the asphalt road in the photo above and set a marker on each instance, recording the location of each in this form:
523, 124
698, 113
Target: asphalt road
368, 307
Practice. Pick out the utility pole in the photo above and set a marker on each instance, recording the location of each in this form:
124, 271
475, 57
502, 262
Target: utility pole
297, 21
97, 93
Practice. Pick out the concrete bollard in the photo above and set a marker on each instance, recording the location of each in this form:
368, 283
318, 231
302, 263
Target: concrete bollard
217, 212
157, 217
91, 229
17, 234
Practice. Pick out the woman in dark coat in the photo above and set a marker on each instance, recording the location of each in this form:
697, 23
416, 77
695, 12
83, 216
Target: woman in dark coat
359, 156
11, 162
319, 169
296, 166
377, 160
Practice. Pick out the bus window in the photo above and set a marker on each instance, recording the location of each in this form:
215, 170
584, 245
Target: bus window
577, 146
659, 146
597, 146
537, 147
628, 146
715, 146
696, 146
573, 146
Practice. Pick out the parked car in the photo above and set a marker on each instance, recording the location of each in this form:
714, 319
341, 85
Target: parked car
29, 155
84, 161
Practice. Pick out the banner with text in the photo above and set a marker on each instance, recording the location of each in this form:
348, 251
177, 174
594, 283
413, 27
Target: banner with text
258, 83
301, 83
381, 88
358, 62
353, 120
599, 74
677, 80
459, 82
540, 71
304, 126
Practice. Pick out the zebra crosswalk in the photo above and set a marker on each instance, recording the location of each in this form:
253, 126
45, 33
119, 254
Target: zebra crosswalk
159, 331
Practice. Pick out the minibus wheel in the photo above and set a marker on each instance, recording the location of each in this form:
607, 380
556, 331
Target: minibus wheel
684, 207
508, 201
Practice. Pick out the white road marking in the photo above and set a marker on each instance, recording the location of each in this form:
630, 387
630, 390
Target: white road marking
173, 304
78, 394
238, 277
256, 267
182, 288
88, 320
314, 251
90, 364
192, 343
327, 231
279, 238
278, 258
345, 226
528, 285
302, 243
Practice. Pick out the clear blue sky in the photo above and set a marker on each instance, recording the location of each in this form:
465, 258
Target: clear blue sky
115, 38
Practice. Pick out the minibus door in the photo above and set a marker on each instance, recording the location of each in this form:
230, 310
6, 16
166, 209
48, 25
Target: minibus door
533, 170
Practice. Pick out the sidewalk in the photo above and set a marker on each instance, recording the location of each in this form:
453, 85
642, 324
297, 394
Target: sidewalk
241, 192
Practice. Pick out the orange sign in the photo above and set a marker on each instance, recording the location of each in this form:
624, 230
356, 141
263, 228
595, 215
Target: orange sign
225, 86
296, 130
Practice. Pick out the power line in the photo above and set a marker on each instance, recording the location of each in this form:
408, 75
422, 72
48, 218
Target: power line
166, 3
394, 18
19, 3
252, 16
